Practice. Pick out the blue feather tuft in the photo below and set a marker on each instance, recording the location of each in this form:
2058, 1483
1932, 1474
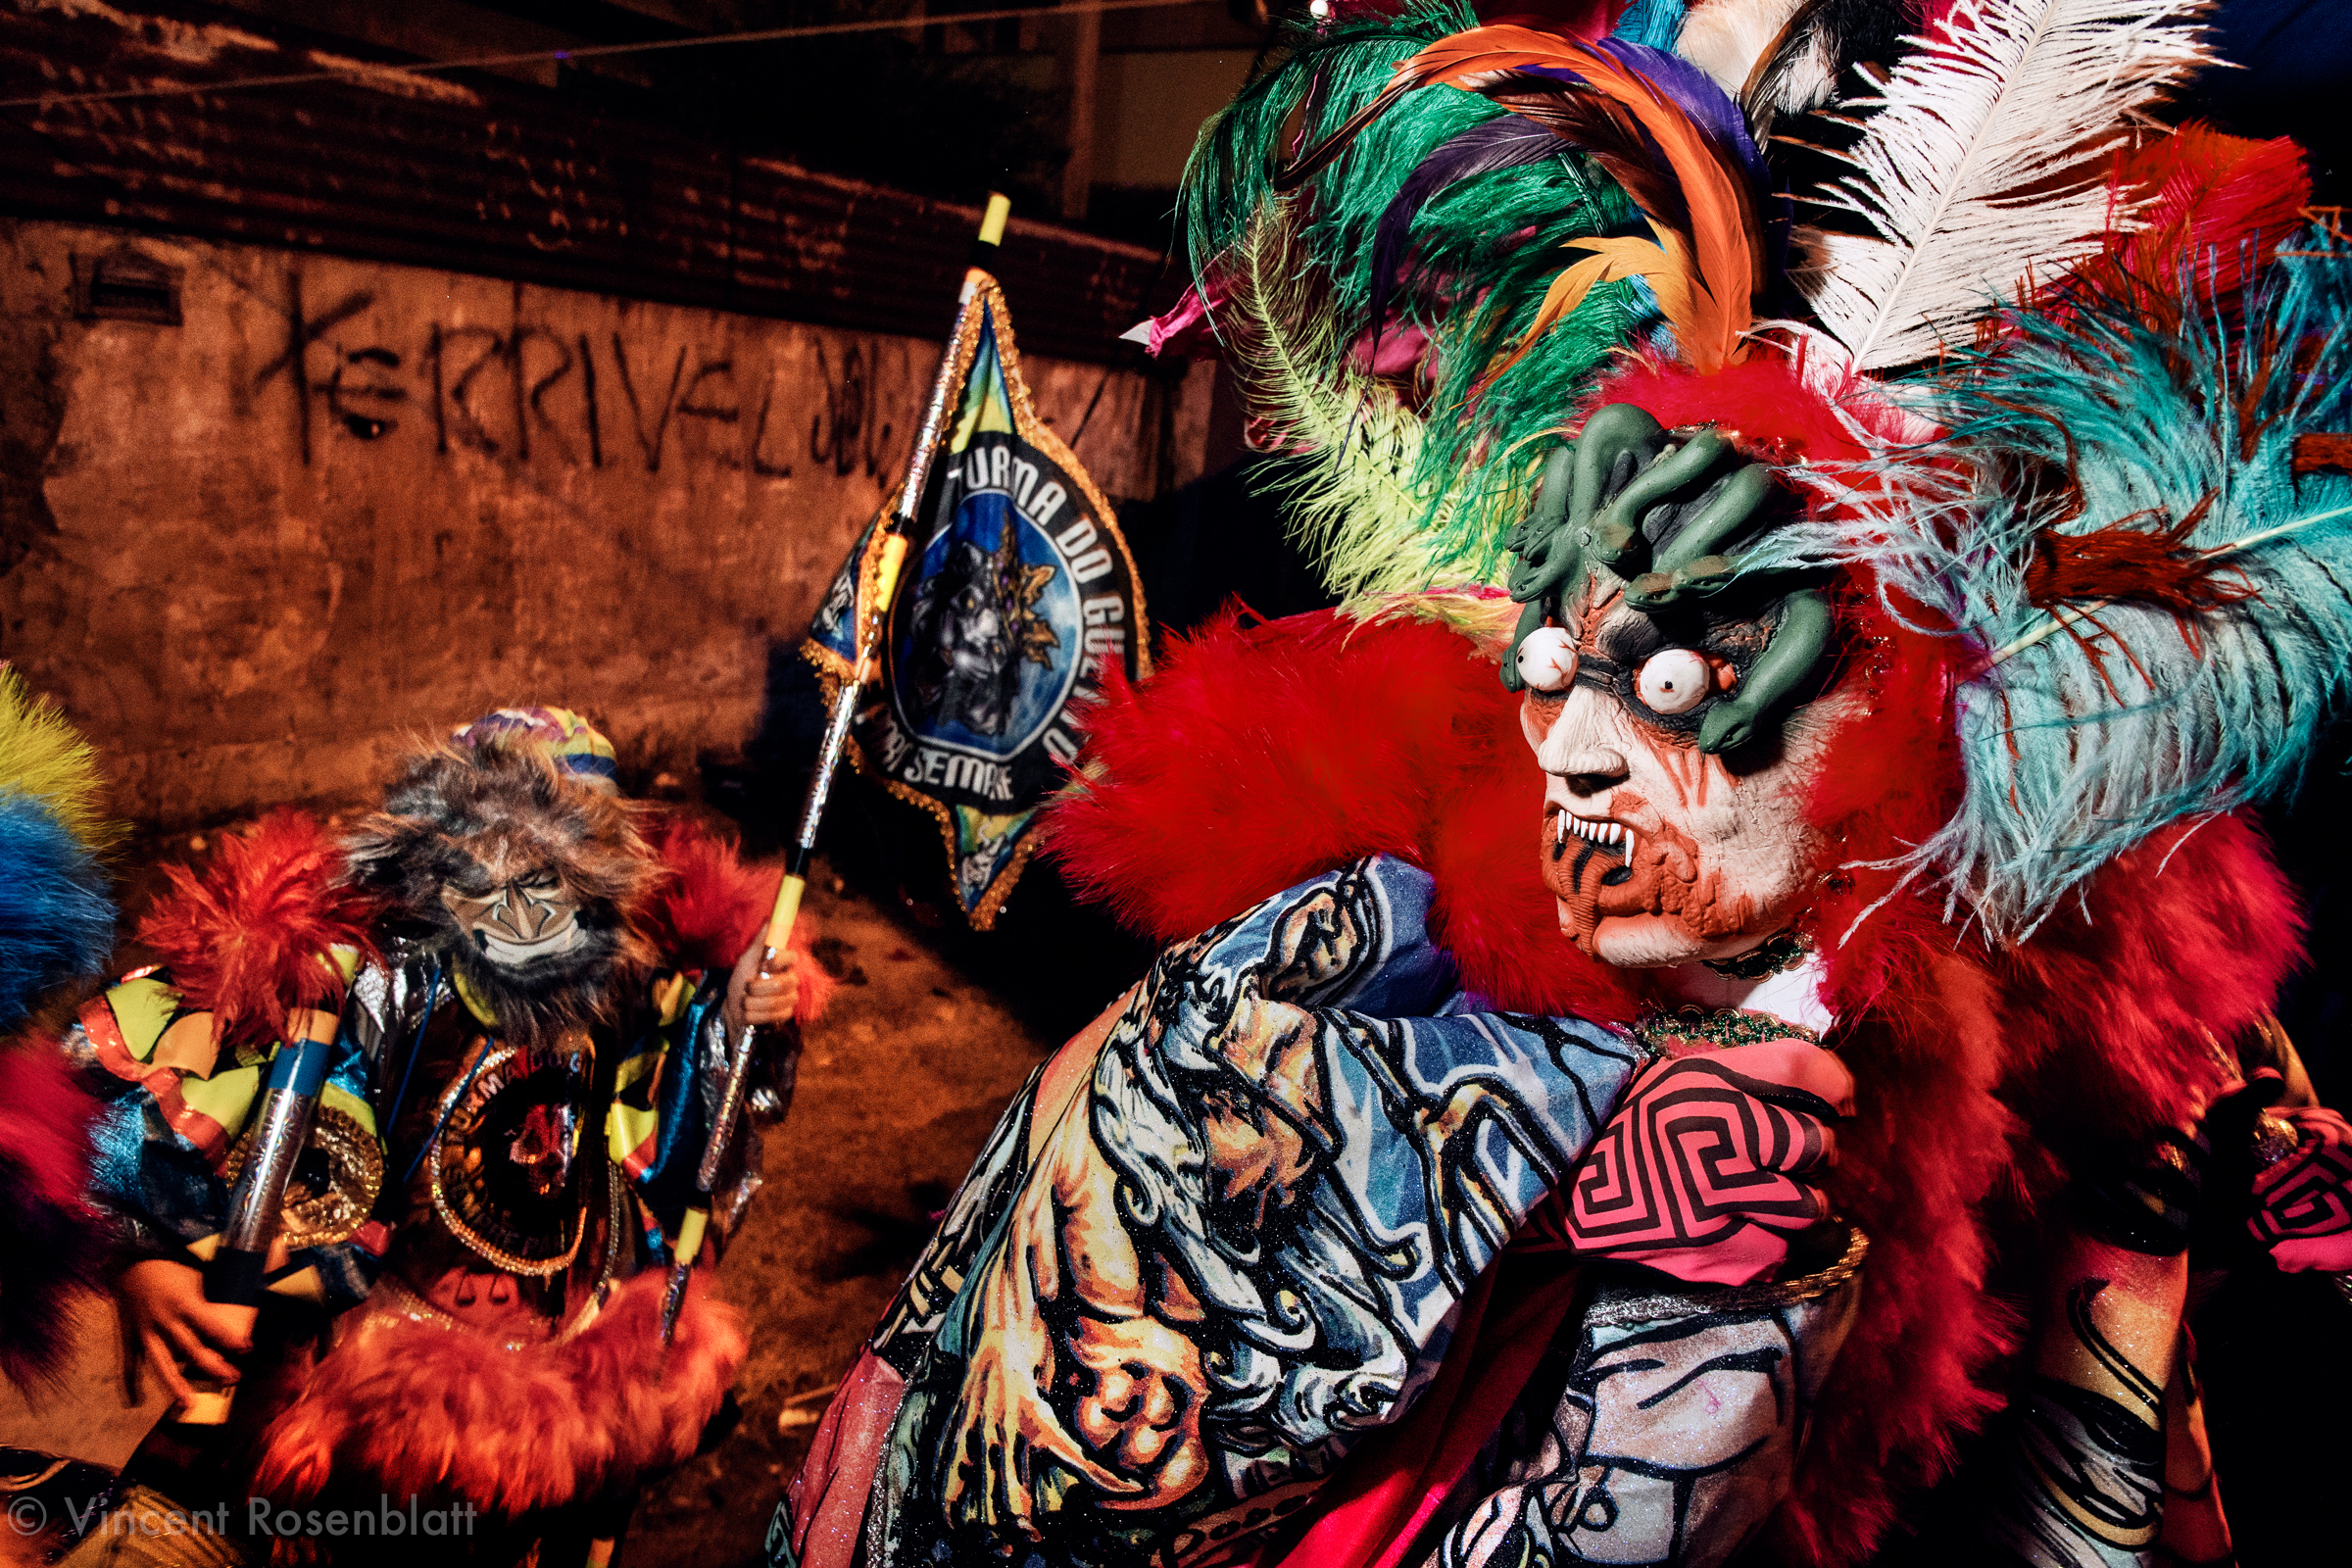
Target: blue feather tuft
57, 921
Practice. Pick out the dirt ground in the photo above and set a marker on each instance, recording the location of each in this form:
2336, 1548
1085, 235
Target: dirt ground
900, 1085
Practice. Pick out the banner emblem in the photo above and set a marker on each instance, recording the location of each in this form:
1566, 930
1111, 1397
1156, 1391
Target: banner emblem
1020, 594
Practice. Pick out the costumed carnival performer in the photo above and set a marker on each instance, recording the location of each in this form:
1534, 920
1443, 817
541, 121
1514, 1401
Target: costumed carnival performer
1853, 651
538, 983
57, 927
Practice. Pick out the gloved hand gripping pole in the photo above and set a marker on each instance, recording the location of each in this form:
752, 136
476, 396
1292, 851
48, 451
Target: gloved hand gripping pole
235, 1274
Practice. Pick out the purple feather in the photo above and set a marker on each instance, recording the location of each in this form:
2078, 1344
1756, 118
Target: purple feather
1687, 88
1504, 142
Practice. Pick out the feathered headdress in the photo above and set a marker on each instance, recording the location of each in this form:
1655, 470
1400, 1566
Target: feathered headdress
2034, 365
56, 925
56, 919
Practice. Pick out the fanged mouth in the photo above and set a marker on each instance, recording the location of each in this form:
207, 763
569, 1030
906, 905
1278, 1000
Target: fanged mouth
515, 954
1592, 837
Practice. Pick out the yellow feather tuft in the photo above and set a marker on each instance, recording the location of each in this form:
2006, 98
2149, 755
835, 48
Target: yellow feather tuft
42, 755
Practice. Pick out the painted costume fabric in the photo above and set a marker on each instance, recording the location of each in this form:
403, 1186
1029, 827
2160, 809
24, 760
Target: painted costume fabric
1893, 614
526, 1073
1288, 1158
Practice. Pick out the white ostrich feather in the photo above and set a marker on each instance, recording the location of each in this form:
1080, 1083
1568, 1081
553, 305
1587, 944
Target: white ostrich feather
1981, 165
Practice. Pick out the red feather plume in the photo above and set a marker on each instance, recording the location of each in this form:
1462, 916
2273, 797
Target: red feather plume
50, 1243
711, 905
2218, 209
1257, 757
248, 937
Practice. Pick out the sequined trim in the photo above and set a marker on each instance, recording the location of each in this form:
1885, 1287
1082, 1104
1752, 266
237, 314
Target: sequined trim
1773, 955
1695, 1028
392, 1303
437, 1159
354, 1175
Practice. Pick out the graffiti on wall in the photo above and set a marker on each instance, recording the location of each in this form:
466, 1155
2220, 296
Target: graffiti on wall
578, 398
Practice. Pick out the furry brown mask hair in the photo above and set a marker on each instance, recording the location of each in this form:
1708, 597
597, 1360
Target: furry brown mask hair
460, 825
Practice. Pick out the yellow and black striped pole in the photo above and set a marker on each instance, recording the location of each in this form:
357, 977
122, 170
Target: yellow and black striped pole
897, 530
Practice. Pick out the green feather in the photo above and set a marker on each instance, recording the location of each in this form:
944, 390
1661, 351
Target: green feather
1407, 486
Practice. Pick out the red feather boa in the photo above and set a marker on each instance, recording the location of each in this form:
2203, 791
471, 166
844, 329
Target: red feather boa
410, 1410
1257, 757
712, 906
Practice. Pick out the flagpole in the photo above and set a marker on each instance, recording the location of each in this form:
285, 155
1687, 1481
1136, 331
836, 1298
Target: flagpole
869, 633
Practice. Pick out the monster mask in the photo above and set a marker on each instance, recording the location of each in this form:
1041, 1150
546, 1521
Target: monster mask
512, 848
1680, 706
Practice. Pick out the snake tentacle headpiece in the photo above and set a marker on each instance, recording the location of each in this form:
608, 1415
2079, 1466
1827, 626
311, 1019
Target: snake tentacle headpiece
1732, 367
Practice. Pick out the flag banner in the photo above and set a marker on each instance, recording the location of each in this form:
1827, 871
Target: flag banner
1019, 593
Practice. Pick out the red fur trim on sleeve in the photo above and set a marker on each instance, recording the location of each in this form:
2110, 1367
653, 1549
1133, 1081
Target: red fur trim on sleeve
816, 992
49, 1241
246, 938
1256, 757
711, 906
402, 1409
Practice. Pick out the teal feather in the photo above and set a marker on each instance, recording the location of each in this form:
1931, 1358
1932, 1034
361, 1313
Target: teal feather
1653, 23
2079, 742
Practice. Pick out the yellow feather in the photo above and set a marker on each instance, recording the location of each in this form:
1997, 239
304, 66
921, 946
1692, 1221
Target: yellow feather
42, 754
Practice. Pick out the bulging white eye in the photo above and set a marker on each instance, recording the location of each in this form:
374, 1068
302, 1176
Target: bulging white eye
1547, 660
1674, 681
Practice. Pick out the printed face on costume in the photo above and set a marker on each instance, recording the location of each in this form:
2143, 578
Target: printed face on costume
513, 916
964, 666
1659, 852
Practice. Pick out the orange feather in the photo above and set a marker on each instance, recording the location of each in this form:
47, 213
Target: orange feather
1717, 307
1723, 240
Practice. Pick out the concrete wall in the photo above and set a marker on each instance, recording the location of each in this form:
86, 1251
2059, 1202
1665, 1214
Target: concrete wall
343, 504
